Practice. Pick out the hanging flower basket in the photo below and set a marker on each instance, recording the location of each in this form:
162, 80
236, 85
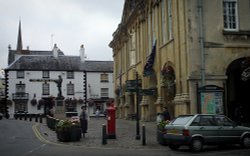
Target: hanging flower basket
80, 101
9, 102
33, 102
74, 101
168, 72
40, 104
67, 102
90, 102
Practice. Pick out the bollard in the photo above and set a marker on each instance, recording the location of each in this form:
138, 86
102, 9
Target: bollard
41, 118
104, 134
20, 116
25, 116
16, 116
143, 135
36, 118
30, 117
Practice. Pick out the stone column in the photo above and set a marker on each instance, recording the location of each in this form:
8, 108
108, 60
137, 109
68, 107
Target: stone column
159, 104
181, 104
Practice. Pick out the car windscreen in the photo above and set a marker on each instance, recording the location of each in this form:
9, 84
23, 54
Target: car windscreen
182, 120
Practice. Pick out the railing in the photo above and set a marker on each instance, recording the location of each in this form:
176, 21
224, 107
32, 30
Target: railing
20, 96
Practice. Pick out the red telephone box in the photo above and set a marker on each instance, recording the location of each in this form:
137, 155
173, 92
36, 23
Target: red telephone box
111, 122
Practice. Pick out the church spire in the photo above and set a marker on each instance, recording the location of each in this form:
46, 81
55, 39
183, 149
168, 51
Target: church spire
19, 47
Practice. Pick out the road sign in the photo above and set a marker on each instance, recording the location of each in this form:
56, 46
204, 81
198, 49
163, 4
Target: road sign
131, 85
149, 92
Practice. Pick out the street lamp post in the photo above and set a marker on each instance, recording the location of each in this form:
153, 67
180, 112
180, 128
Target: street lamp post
137, 109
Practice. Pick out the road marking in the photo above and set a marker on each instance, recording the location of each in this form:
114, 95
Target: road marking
35, 149
42, 139
38, 134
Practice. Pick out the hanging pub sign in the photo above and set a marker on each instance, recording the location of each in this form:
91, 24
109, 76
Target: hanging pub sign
210, 99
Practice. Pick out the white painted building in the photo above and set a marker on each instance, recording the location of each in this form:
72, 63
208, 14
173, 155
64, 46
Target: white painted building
31, 77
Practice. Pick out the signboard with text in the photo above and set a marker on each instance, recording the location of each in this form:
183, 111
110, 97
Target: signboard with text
131, 85
211, 99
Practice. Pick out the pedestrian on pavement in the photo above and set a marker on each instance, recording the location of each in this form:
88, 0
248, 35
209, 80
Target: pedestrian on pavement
166, 114
159, 117
97, 113
84, 120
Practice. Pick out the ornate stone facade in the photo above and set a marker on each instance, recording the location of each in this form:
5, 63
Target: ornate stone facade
196, 46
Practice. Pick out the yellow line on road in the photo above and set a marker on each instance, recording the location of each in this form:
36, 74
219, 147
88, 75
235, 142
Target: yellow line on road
38, 134
41, 138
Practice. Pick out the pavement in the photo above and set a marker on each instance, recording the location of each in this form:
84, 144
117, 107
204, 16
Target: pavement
125, 135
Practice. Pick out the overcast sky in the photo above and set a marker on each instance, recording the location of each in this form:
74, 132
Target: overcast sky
70, 22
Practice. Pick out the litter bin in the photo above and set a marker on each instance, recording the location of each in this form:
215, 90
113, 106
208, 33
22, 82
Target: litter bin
75, 133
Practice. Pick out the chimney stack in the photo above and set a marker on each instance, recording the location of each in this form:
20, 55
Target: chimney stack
55, 51
82, 53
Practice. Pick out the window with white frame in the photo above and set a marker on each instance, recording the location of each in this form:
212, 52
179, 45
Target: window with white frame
167, 20
164, 22
70, 75
104, 77
45, 74
170, 20
20, 74
20, 88
46, 89
230, 15
132, 54
21, 106
104, 92
70, 89
154, 21
149, 34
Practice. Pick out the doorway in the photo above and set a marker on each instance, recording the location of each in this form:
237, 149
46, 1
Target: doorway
238, 90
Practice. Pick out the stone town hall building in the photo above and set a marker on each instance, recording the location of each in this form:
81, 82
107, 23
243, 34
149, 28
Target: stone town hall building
31, 77
190, 55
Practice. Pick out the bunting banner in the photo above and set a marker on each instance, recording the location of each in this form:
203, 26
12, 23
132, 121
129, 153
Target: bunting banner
148, 68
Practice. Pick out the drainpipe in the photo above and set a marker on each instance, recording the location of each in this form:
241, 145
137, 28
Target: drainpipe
201, 41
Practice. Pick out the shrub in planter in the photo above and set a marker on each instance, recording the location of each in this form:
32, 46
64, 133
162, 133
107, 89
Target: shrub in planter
68, 131
161, 131
63, 130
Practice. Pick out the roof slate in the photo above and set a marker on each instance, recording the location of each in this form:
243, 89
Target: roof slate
62, 63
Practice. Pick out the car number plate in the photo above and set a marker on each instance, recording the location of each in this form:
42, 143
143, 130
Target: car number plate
173, 131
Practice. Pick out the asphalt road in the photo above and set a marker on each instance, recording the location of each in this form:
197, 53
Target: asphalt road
21, 138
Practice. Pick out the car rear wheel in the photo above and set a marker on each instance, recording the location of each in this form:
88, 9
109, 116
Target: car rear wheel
246, 142
196, 145
173, 147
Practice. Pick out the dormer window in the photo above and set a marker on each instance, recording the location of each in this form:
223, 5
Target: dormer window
20, 74
70, 75
45, 74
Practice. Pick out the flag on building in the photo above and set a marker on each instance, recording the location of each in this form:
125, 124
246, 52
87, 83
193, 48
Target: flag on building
148, 68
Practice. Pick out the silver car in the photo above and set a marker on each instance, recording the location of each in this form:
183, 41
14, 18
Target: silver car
205, 129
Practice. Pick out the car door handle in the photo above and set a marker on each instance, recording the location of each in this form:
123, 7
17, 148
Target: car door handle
220, 128
201, 128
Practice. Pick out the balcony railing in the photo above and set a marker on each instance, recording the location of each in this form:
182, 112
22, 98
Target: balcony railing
20, 96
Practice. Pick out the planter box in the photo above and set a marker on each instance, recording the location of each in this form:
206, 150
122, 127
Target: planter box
71, 134
76, 133
64, 135
160, 138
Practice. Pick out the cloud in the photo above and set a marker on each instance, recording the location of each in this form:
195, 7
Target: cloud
72, 23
